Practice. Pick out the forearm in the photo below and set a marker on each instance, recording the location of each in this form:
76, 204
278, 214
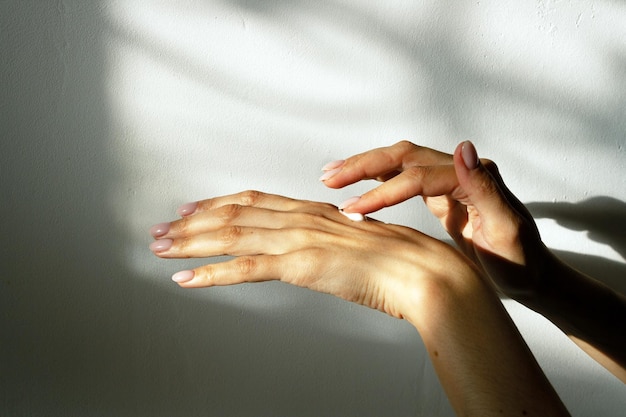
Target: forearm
586, 310
481, 359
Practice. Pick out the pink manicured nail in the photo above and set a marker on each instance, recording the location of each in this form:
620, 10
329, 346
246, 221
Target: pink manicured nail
349, 202
328, 174
469, 154
161, 245
183, 276
333, 165
187, 209
160, 229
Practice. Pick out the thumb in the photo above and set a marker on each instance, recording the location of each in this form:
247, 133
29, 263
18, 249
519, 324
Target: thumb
481, 188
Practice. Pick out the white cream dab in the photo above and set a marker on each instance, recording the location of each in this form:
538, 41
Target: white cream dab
355, 217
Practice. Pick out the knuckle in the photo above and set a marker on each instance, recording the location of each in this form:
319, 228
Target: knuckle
417, 174
183, 225
245, 264
406, 146
230, 212
206, 205
184, 247
250, 197
231, 234
208, 275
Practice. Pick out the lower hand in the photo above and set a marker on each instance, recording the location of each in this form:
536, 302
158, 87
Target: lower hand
312, 245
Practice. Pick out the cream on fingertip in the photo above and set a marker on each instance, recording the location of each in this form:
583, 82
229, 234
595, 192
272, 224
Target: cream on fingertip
355, 217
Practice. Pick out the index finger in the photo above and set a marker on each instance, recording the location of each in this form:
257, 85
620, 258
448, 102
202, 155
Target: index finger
385, 163
425, 181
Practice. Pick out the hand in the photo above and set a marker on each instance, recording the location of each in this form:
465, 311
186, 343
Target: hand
312, 245
467, 195
391, 268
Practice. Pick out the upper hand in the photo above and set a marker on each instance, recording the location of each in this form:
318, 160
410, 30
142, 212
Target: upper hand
467, 195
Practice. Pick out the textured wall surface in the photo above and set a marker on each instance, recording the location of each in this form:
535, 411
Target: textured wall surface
113, 113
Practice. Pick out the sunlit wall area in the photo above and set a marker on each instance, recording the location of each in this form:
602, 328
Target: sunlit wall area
281, 87
116, 112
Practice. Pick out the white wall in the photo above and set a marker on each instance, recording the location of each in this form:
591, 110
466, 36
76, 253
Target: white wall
115, 112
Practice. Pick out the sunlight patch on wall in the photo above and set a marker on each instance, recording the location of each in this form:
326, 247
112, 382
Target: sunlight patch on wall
557, 237
212, 98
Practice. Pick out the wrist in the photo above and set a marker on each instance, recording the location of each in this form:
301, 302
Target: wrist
457, 286
550, 275
478, 354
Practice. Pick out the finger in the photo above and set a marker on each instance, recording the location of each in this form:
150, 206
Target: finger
480, 186
236, 271
295, 268
426, 181
236, 241
498, 219
312, 215
384, 163
230, 214
510, 197
250, 198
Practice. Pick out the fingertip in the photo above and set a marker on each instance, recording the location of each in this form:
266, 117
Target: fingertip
349, 203
470, 155
329, 174
465, 161
187, 209
159, 230
466, 154
183, 276
481, 188
333, 165
161, 245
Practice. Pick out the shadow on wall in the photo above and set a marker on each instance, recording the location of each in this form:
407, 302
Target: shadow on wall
604, 219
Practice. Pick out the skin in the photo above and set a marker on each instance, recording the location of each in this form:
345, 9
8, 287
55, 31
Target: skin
480, 358
449, 295
493, 228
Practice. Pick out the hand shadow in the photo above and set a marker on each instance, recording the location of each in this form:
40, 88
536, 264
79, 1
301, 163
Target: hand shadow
604, 219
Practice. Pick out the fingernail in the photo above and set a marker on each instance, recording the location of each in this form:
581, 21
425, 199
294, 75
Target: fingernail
183, 276
187, 209
160, 229
349, 202
328, 174
161, 245
333, 165
469, 154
